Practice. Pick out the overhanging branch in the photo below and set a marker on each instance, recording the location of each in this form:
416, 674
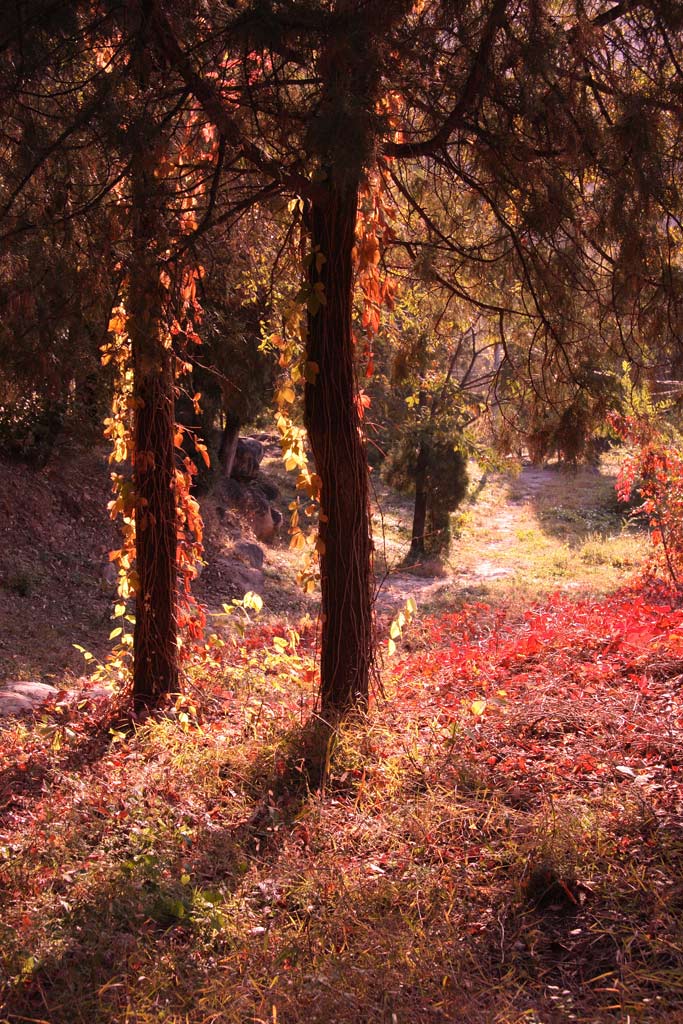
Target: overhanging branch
469, 97
215, 109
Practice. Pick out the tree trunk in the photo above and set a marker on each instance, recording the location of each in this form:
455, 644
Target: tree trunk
417, 542
155, 668
228, 448
333, 428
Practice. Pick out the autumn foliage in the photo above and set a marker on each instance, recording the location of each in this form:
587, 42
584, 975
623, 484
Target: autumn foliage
652, 474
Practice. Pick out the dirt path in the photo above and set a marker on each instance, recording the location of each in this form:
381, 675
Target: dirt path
540, 530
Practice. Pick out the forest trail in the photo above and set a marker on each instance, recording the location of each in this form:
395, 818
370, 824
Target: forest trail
530, 532
499, 523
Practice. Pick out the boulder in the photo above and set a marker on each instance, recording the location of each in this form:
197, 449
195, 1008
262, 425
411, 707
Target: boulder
249, 553
263, 524
14, 704
228, 493
37, 692
252, 503
96, 693
233, 580
248, 458
253, 445
19, 697
269, 490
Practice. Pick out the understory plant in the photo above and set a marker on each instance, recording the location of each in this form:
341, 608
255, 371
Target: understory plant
652, 472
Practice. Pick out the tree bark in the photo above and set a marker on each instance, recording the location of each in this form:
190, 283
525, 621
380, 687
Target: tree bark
155, 659
334, 430
417, 542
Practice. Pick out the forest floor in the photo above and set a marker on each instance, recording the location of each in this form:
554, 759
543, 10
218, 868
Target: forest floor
499, 841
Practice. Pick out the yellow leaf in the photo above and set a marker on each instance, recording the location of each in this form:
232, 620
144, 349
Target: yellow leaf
411, 606
394, 630
478, 707
252, 600
391, 647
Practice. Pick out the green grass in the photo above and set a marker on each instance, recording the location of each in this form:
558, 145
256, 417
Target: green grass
527, 535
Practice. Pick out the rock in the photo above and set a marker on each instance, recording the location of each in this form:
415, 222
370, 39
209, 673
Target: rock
96, 693
264, 527
268, 489
227, 493
253, 445
248, 457
251, 502
21, 697
36, 692
14, 704
252, 554
234, 579
263, 524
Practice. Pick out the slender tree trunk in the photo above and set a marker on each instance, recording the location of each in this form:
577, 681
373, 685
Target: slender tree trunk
155, 669
333, 427
228, 448
417, 542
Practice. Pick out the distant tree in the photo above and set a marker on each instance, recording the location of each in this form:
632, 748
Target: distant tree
58, 273
439, 377
234, 377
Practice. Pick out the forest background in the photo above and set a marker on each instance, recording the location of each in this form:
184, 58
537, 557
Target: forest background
425, 234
